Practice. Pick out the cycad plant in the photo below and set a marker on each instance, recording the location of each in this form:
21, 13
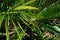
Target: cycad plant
18, 17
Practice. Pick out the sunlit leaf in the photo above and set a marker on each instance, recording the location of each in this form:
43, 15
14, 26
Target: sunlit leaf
26, 7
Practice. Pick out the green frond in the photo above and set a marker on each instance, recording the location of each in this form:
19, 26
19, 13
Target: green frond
28, 16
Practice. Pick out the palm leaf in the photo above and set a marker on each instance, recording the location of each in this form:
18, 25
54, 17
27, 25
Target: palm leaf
21, 5
1, 19
39, 33
25, 7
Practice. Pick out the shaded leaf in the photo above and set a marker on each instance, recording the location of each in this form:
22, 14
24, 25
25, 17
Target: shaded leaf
1, 19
